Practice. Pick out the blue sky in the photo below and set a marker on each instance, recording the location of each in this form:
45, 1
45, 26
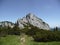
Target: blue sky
48, 10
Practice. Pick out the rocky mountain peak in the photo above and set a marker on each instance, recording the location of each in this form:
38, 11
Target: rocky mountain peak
30, 15
29, 19
33, 20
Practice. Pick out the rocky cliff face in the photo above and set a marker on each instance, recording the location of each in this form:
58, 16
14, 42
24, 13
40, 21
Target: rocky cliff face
25, 21
33, 20
6, 24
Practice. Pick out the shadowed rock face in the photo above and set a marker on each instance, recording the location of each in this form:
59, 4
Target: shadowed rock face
33, 20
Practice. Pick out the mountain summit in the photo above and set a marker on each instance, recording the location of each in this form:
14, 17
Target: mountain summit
29, 19
33, 20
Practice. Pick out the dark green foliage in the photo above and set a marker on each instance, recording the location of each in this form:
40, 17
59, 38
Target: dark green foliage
43, 35
39, 35
9, 31
3, 31
46, 36
14, 31
56, 29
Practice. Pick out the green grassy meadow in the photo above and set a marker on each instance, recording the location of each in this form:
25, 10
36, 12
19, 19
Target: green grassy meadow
10, 40
15, 40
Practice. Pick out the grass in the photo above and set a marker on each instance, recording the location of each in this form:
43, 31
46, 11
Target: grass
15, 40
9, 40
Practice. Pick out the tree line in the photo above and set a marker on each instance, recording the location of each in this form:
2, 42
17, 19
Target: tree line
38, 35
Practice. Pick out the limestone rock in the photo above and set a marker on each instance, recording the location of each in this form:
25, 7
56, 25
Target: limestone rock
6, 24
33, 20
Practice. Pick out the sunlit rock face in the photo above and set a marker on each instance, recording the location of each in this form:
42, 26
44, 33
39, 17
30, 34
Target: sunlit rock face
33, 20
6, 24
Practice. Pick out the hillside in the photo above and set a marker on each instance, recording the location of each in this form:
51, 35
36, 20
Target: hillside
15, 40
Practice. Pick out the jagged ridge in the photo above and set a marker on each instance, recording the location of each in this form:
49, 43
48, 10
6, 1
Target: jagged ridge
6, 23
25, 21
33, 20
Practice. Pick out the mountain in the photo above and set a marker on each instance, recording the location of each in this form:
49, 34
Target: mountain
6, 23
29, 19
33, 20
